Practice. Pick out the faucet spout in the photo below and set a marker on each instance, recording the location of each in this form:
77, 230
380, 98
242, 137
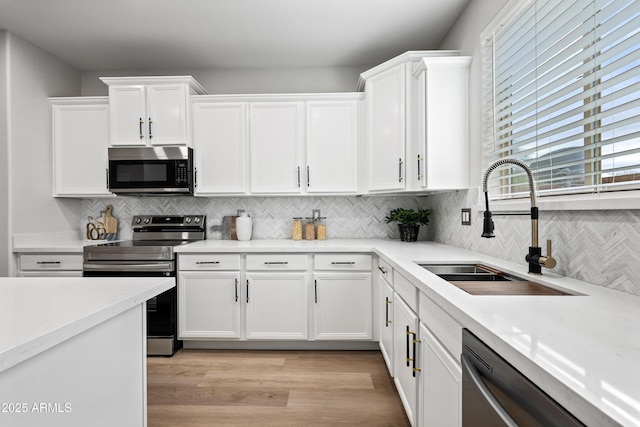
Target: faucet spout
535, 258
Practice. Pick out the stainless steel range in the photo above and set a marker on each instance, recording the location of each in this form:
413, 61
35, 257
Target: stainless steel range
150, 253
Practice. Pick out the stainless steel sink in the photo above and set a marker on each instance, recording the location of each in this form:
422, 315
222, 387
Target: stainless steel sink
479, 279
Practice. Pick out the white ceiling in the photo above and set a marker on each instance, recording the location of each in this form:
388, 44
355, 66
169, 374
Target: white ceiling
96, 35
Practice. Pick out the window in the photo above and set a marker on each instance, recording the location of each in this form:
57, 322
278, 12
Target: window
561, 92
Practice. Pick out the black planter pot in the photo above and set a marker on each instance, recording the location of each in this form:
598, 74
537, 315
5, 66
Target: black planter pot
409, 233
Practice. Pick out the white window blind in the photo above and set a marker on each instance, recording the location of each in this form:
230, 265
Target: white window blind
561, 92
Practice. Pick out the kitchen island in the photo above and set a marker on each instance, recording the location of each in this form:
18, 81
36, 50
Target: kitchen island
73, 350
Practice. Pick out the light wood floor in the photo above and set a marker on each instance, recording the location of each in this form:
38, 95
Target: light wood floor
272, 388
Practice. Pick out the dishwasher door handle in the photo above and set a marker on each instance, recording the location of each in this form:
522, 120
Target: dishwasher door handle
469, 369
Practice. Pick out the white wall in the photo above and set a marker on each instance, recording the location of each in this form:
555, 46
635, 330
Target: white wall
244, 80
33, 75
465, 36
4, 178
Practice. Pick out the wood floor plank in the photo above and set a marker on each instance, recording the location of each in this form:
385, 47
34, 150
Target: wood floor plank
196, 388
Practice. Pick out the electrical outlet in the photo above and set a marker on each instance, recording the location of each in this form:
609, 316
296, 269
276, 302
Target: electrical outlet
466, 216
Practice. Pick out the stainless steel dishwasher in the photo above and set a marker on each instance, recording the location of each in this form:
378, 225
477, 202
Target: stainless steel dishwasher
494, 393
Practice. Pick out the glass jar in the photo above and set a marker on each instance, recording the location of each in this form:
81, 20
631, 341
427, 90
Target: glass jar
310, 229
297, 228
321, 228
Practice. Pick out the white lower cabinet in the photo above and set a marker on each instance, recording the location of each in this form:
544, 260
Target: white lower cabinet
50, 265
441, 377
405, 349
342, 306
209, 304
386, 322
276, 306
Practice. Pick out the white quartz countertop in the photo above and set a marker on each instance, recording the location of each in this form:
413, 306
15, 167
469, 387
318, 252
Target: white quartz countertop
583, 350
38, 313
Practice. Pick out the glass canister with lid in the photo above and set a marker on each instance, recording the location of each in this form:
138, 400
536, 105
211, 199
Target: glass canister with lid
297, 228
321, 228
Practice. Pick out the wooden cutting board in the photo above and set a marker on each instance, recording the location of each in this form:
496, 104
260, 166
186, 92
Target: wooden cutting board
478, 287
110, 222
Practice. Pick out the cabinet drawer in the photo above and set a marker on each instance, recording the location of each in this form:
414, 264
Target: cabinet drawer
209, 262
360, 262
51, 262
385, 271
277, 262
443, 326
406, 290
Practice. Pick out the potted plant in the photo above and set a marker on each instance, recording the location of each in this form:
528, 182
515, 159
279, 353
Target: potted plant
409, 222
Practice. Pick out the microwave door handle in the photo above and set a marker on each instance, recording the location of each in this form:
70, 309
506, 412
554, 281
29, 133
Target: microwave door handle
486, 393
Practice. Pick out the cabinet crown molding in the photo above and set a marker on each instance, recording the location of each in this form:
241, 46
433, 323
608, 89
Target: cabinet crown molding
151, 80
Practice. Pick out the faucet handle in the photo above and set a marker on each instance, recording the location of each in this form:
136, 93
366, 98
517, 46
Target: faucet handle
548, 261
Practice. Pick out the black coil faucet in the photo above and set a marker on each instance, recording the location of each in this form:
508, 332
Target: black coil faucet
535, 258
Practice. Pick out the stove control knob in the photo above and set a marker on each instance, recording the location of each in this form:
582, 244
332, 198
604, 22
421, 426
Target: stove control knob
138, 220
187, 220
147, 220
197, 220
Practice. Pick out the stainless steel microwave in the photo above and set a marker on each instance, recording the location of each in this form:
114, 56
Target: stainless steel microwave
151, 171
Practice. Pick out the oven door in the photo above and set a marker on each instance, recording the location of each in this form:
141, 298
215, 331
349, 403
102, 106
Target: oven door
162, 310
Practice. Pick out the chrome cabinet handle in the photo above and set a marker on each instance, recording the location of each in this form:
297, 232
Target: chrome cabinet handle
400, 169
315, 289
342, 262
382, 269
48, 262
247, 290
276, 262
308, 178
420, 175
407, 349
141, 123
236, 286
150, 133
298, 176
107, 177
207, 262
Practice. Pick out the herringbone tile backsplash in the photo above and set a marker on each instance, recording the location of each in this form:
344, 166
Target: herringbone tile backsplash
347, 217
600, 247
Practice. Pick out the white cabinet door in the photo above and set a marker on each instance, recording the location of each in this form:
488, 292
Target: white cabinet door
385, 94
209, 304
219, 137
332, 147
440, 159
80, 142
441, 378
405, 376
167, 114
342, 303
128, 116
277, 306
276, 142
386, 323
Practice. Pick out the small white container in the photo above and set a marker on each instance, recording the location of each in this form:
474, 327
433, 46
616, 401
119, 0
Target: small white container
244, 226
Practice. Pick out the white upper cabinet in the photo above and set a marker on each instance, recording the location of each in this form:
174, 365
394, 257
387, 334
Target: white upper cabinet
439, 157
220, 146
80, 142
385, 94
390, 124
150, 110
332, 146
276, 147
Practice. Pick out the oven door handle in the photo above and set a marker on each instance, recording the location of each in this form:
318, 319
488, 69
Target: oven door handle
128, 266
486, 393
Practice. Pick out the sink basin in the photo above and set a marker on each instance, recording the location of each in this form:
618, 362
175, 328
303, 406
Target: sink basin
479, 279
